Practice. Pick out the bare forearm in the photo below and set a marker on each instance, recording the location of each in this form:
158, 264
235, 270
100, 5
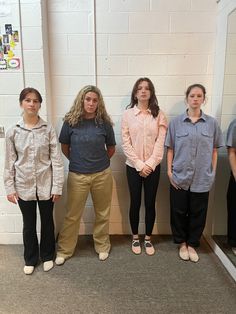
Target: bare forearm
170, 154
232, 160
65, 148
111, 151
214, 159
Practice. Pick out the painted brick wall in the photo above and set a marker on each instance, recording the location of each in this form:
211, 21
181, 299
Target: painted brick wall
172, 42
25, 16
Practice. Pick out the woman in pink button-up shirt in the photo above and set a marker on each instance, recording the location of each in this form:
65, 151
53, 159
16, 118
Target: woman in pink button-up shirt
144, 128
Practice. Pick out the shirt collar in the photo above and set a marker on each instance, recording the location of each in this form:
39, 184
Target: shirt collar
185, 116
40, 123
137, 110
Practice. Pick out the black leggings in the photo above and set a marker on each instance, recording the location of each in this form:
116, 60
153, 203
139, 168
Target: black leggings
150, 184
47, 242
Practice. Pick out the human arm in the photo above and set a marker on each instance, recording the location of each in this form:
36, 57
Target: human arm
57, 166
214, 159
110, 151
127, 143
158, 149
9, 168
170, 157
65, 148
232, 160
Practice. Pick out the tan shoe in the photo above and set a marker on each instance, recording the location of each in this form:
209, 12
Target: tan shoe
183, 253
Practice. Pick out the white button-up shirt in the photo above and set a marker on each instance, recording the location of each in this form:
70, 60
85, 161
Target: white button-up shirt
33, 163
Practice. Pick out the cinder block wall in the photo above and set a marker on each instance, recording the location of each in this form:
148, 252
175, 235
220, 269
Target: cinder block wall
111, 45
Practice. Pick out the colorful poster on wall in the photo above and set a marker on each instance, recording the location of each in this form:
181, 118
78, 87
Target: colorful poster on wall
9, 39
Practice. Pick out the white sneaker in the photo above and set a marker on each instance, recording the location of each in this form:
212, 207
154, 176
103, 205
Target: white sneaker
28, 270
60, 260
234, 250
47, 265
103, 256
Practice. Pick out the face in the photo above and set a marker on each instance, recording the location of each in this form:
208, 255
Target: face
31, 104
195, 98
90, 104
143, 93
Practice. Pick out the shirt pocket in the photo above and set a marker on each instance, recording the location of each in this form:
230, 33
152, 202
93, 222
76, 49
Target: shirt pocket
182, 137
207, 139
181, 148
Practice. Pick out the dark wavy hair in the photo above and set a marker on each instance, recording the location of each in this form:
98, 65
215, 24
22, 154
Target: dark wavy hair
153, 102
28, 90
188, 91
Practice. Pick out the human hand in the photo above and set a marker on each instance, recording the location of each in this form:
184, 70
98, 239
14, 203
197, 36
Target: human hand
170, 175
55, 197
145, 171
13, 198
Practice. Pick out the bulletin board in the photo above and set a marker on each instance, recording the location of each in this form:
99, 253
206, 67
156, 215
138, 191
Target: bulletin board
9, 54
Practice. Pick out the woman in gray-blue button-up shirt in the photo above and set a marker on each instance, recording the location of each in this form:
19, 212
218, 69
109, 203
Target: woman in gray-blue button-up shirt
192, 141
231, 195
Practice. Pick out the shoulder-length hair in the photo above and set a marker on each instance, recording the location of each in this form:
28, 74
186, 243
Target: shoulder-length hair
77, 113
153, 102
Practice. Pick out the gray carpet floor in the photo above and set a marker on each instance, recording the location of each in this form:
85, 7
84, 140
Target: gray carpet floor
124, 283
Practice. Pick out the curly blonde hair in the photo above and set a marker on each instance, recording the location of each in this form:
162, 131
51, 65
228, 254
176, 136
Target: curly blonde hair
77, 113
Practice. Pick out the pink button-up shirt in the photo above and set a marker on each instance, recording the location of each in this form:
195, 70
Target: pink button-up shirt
143, 138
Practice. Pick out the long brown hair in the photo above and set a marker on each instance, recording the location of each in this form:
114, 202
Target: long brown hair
152, 103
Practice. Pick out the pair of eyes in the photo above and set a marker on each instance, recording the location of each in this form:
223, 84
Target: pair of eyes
146, 88
89, 99
35, 101
194, 95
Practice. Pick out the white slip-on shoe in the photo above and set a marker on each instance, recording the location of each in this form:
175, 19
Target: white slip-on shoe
60, 260
183, 253
193, 256
47, 265
103, 256
28, 270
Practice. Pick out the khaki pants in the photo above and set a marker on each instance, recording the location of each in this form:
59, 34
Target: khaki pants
78, 187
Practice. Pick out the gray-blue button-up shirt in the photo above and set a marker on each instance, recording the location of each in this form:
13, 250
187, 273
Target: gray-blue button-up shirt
231, 135
193, 145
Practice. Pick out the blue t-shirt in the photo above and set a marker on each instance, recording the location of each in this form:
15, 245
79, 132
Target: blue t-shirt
88, 141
